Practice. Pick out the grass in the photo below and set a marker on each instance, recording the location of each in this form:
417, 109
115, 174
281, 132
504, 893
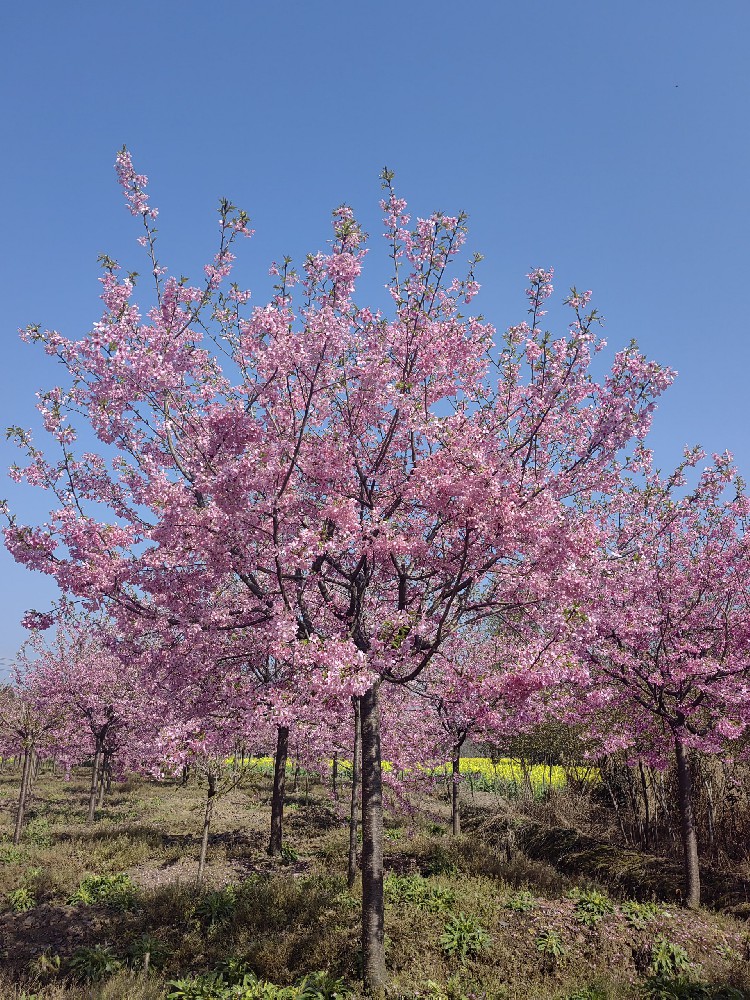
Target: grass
466, 916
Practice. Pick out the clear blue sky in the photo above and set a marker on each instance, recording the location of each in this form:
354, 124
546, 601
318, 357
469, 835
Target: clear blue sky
609, 140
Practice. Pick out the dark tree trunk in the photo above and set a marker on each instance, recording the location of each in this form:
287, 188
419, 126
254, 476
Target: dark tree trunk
687, 826
206, 825
456, 791
103, 769
279, 787
23, 795
646, 809
95, 766
352, 867
373, 927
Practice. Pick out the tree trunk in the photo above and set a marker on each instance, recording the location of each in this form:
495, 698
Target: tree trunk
102, 780
94, 783
206, 825
352, 867
23, 795
687, 826
456, 791
279, 787
373, 927
646, 810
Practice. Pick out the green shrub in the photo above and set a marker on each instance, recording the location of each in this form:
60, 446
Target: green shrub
288, 854
639, 915
523, 901
113, 890
462, 936
94, 963
550, 944
441, 862
10, 854
149, 945
21, 900
591, 906
322, 986
241, 985
37, 832
668, 960
418, 892
216, 907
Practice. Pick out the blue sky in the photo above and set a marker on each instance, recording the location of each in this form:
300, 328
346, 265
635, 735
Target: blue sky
608, 140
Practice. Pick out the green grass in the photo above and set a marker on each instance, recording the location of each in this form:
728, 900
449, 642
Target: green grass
464, 916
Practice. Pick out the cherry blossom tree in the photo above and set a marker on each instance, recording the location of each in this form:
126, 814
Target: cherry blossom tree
348, 487
25, 728
104, 710
667, 630
485, 686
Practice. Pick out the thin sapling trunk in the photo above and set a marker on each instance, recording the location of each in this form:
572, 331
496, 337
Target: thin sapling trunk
208, 813
23, 795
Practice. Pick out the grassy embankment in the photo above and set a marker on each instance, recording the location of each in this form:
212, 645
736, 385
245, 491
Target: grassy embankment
468, 917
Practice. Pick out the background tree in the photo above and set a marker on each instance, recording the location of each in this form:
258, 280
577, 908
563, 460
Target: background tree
668, 627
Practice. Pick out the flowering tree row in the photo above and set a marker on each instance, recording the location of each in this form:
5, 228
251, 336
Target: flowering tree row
286, 510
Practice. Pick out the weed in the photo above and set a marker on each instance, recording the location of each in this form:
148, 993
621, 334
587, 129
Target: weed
114, 890
216, 907
550, 944
677, 989
288, 854
214, 986
147, 945
639, 915
419, 892
210, 986
322, 986
37, 832
668, 960
588, 993
45, 964
591, 906
94, 963
462, 936
523, 901
21, 900
10, 854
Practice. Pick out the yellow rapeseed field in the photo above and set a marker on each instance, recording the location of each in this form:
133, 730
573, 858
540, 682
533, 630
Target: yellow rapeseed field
482, 773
